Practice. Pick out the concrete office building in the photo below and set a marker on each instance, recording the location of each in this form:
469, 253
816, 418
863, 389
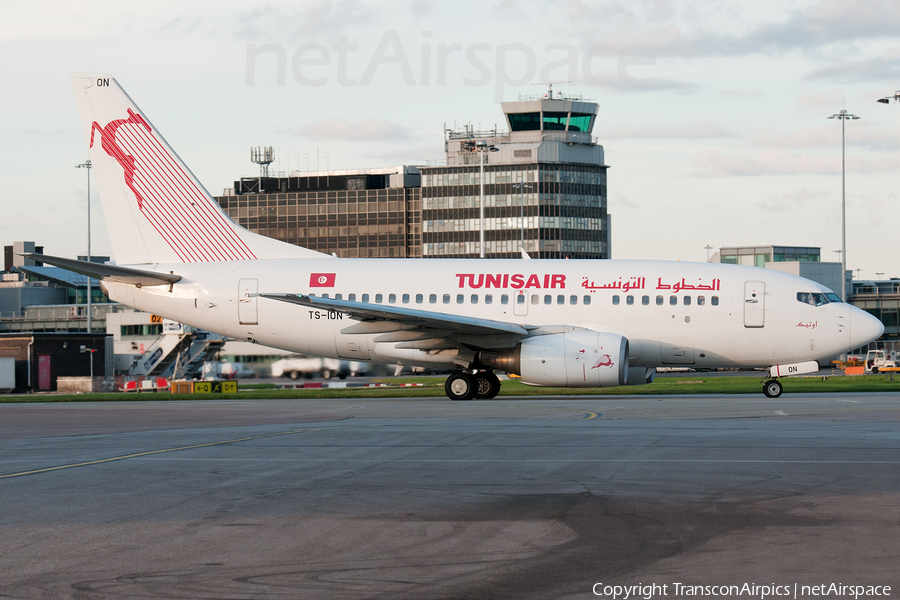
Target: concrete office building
880, 298
544, 182
796, 260
544, 186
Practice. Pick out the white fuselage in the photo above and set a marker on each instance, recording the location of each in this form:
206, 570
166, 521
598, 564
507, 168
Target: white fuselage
672, 313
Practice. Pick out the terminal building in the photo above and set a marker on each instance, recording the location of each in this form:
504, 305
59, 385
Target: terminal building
544, 189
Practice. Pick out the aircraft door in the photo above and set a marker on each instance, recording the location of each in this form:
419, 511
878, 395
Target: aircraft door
520, 306
247, 301
754, 304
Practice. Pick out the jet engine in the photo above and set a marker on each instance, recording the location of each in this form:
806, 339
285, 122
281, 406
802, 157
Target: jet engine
572, 359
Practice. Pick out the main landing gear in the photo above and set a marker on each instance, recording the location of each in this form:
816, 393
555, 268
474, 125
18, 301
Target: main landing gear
772, 388
482, 385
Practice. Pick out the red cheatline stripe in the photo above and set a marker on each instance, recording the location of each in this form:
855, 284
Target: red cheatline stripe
205, 203
151, 208
166, 212
121, 156
176, 204
156, 161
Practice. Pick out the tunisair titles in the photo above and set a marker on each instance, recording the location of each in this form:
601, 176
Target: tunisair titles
549, 281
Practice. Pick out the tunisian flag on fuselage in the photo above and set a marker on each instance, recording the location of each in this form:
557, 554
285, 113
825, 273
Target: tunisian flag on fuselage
321, 279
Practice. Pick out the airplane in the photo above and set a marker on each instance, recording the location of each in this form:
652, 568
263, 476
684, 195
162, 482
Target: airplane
559, 323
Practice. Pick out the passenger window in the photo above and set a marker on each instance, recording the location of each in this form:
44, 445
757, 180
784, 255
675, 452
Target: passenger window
714, 300
659, 300
587, 300
460, 298
338, 297
488, 299
474, 298
446, 298
324, 295
392, 298
548, 299
615, 299
378, 298
405, 298
432, 298
645, 300
420, 298
560, 299
520, 299
629, 300
701, 300
673, 300
687, 300
504, 299
573, 299
535, 299
365, 297
352, 297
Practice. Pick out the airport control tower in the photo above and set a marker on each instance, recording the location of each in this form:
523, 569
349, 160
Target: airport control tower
544, 185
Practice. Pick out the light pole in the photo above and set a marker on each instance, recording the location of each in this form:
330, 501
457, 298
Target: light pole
843, 116
91, 350
87, 165
481, 147
521, 187
707, 248
887, 99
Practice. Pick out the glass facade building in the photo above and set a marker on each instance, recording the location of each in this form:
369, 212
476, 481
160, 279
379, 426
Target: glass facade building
559, 212
361, 214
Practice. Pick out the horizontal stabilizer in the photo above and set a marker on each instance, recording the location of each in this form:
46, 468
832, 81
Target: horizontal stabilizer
107, 272
423, 318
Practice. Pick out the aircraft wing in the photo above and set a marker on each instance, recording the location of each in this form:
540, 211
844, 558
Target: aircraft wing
107, 272
363, 311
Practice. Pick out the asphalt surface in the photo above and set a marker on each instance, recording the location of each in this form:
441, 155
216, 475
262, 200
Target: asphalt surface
427, 498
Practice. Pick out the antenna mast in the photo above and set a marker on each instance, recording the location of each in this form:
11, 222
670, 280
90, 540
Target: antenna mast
263, 156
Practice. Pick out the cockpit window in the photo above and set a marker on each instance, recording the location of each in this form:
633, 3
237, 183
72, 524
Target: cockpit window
817, 298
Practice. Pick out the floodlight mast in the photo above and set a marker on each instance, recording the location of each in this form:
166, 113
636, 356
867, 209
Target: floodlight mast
843, 116
87, 165
481, 147
887, 99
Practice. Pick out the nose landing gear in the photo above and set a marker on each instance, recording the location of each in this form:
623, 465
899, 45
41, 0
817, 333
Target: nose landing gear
772, 388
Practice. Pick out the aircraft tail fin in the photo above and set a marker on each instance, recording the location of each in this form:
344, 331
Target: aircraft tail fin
156, 210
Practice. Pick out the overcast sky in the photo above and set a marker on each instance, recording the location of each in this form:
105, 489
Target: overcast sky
713, 115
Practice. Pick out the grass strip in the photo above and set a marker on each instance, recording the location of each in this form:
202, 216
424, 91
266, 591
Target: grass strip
435, 388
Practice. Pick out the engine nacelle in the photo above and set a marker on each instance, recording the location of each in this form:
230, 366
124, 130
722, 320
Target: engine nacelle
572, 359
641, 375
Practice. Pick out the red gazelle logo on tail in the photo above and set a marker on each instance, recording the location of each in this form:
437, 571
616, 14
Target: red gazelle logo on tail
174, 203
109, 145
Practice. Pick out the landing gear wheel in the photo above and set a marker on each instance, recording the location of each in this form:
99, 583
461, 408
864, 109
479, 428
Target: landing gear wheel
487, 385
460, 386
772, 388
